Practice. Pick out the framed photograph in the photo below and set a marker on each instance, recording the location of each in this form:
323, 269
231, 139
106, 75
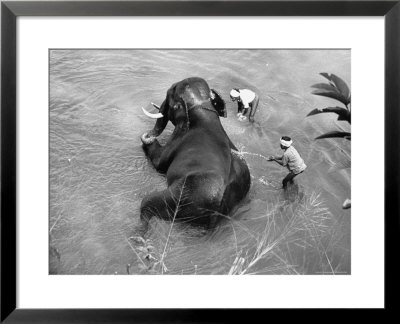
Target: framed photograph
162, 158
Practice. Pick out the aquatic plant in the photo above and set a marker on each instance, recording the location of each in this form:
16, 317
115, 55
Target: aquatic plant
336, 89
152, 260
297, 238
293, 242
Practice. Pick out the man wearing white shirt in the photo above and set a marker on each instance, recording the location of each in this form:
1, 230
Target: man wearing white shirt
247, 101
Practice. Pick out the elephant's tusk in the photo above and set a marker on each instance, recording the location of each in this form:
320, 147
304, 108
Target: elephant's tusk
155, 106
158, 115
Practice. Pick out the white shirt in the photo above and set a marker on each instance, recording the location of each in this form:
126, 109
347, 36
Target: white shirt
293, 161
246, 97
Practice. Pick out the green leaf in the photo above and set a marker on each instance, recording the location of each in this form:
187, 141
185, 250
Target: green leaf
326, 75
336, 89
341, 86
343, 113
331, 94
324, 86
335, 134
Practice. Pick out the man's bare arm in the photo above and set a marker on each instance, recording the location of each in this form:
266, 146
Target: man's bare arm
277, 159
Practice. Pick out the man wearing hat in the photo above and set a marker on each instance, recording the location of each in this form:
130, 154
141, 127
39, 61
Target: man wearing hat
247, 100
290, 159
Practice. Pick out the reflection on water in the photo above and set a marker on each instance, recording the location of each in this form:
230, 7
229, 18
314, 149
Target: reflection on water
99, 173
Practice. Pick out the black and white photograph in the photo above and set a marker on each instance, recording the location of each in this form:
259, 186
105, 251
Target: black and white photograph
153, 151
199, 161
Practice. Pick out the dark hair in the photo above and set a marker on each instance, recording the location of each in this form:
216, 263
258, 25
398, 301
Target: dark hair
286, 138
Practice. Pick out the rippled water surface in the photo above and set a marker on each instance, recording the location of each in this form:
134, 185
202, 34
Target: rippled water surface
99, 173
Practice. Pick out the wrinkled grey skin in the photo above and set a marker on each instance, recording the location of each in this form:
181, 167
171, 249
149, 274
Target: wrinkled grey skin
206, 178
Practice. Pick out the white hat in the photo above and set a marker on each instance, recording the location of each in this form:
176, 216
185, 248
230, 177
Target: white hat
286, 143
234, 93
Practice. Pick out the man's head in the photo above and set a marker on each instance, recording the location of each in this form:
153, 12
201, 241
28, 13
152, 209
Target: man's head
234, 94
286, 142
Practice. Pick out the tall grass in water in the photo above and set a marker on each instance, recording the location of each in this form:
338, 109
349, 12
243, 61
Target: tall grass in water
293, 241
300, 237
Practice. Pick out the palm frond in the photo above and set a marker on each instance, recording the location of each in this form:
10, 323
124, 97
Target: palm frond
331, 94
335, 134
343, 113
339, 84
336, 89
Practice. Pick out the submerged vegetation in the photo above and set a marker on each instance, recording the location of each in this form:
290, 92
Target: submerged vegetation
300, 237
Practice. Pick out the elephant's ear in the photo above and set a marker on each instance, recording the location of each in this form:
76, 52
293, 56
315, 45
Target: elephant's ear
218, 103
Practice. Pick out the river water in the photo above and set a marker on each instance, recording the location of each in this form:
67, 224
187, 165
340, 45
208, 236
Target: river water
99, 173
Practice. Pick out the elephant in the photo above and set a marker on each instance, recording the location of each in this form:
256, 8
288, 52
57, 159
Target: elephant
206, 176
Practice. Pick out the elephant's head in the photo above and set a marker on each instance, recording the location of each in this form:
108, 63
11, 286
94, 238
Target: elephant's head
181, 97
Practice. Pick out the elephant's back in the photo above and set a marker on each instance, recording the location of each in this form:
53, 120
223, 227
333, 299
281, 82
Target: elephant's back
200, 153
201, 194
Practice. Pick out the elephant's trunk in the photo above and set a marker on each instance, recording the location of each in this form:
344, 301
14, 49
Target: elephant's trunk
161, 123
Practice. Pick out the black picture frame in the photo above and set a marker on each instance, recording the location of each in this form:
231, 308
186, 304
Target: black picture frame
10, 11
